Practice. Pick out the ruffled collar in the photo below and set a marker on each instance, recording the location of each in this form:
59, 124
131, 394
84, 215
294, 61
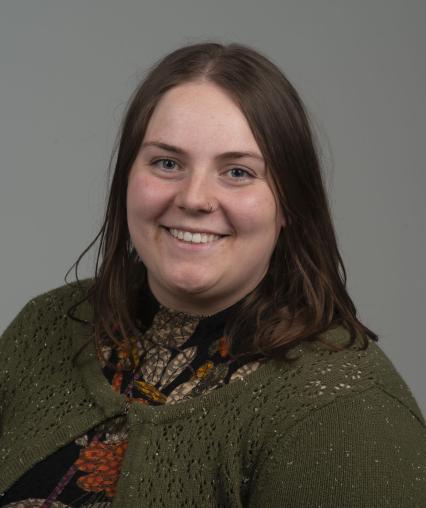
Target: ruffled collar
154, 315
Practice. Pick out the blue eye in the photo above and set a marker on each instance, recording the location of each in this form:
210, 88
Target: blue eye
240, 173
168, 167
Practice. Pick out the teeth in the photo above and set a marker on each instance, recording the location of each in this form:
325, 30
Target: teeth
186, 236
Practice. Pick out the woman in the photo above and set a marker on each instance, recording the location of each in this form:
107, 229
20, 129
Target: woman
215, 359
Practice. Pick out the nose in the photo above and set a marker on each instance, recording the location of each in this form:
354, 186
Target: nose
196, 193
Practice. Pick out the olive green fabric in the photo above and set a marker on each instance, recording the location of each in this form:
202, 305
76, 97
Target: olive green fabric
328, 429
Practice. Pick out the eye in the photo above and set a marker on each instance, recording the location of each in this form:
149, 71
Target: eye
239, 173
166, 164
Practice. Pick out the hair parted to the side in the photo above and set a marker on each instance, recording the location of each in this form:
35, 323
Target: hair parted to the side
304, 291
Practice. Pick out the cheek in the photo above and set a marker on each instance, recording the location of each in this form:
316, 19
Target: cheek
255, 213
144, 197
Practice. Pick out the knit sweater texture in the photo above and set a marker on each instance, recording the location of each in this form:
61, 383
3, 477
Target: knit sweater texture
328, 429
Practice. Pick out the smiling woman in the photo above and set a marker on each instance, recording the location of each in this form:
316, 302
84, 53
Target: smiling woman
215, 358
207, 191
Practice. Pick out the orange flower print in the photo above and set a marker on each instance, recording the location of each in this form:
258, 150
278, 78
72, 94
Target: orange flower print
102, 462
150, 391
202, 371
134, 351
223, 347
117, 380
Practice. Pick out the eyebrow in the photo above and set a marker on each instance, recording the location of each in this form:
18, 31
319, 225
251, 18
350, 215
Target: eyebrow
180, 151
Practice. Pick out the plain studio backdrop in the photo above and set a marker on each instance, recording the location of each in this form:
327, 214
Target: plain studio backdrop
68, 68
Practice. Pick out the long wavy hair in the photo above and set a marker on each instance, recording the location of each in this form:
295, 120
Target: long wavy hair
304, 291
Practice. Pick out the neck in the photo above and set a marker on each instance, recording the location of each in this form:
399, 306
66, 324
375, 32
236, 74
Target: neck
195, 305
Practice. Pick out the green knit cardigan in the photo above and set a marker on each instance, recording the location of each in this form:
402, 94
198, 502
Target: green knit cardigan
326, 430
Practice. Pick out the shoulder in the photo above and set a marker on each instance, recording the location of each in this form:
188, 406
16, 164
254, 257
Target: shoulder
58, 301
61, 297
42, 315
42, 331
318, 376
349, 421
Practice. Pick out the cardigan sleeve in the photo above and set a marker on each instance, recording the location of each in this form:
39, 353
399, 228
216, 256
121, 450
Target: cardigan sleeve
8, 342
39, 314
366, 450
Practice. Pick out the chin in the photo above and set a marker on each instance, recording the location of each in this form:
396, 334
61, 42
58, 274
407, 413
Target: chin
191, 284
192, 289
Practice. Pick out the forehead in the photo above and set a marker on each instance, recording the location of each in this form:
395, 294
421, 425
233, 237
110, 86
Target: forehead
201, 115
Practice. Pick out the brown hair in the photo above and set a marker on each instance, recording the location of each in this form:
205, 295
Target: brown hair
304, 291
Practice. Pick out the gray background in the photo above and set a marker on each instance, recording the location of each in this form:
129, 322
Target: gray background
68, 68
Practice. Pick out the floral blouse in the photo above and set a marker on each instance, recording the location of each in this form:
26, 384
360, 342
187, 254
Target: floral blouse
177, 357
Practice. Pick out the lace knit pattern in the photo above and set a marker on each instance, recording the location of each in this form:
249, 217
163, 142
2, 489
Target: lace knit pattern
323, 430
174, 357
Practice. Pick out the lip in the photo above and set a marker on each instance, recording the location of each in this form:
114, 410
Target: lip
194, 230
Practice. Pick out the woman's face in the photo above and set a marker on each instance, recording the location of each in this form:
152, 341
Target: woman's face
199, 152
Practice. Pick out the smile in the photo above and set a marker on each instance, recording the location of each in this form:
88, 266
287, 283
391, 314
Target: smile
189, 237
